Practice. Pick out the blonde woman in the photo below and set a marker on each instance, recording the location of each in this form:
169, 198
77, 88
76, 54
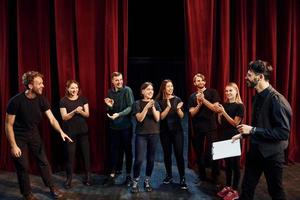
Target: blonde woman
230, 115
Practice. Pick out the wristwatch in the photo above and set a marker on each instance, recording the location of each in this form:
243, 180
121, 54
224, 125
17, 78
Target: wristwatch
252, 131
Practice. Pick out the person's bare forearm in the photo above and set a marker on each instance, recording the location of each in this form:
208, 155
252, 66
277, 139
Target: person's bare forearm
10, 135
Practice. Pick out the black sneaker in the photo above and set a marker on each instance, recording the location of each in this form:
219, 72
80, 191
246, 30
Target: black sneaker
110, 181
182, 184
168, 179
134, 187
68, 183
128, 181
147, 186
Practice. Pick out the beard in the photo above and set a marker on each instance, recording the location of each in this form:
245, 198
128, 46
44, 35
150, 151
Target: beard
252, 84
37, 91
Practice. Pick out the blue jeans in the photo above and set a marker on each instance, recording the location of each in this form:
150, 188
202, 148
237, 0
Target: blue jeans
144, 144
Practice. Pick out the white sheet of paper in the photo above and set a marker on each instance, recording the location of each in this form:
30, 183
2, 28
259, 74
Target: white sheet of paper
225, 149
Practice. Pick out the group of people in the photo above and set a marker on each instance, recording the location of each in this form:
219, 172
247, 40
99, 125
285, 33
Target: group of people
205, 111
157, 119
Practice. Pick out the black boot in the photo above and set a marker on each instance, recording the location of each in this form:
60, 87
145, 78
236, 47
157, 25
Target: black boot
87, 181
68, 182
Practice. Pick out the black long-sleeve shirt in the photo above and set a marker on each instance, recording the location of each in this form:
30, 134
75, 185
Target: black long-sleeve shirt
279, 117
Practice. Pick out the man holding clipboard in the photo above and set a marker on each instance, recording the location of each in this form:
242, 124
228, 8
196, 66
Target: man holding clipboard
269, 133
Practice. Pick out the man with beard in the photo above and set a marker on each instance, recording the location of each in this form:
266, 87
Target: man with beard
24, 112
119, 105
202, 107
269, 133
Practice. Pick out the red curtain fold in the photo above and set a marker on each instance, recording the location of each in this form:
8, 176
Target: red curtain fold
5, 89
243, 31
84, 40
65, 42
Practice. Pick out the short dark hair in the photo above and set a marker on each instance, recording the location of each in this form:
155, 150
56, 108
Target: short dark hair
261, 67
200, 76
29, 76
144, 86
115, 74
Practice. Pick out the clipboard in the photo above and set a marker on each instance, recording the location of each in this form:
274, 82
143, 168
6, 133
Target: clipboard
225, 149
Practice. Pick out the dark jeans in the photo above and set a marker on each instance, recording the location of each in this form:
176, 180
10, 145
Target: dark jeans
203, 143
83, 142
121, 142
144, 144
233, 174
32, 143
256, 164
173, 139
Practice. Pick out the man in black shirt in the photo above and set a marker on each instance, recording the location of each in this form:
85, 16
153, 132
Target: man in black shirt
119, 105
24, 112
202, 107
269, 133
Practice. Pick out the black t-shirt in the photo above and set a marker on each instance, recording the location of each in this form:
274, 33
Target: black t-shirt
28, 112
77, 124
205, 119
233, 110
148, 125
172, 120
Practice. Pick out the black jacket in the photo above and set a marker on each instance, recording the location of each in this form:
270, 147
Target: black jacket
271, 115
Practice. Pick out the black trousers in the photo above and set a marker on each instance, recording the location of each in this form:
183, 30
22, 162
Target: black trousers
82, 141
169, 140
256, 164
144, 145
232, 171
31, 143
121, 142
203, 143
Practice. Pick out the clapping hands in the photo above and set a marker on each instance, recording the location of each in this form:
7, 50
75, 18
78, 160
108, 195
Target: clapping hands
109, 102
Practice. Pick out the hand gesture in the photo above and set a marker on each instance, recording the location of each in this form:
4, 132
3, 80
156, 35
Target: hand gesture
109, 102
150, 104
244, 129
200, 97
169, 103
219, 108
79, 109
16, 151
236, 137
179, 105
65, 137
114, 116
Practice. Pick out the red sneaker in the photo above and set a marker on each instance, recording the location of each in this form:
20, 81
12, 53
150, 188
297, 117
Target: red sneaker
224, 191
232, 195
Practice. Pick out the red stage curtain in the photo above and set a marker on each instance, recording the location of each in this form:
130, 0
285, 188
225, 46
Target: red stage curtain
84, 40
224, 36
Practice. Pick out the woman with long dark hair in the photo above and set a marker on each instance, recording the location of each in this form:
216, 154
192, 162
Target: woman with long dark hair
171, 131
147, 114
74, 110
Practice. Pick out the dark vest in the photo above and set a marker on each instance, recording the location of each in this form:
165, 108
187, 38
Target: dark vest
268, 147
